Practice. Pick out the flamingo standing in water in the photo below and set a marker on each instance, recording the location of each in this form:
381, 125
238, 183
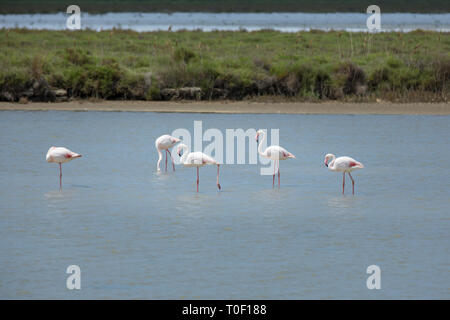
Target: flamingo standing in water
196, 159
344, 165
165, 142
60, 155
275, 153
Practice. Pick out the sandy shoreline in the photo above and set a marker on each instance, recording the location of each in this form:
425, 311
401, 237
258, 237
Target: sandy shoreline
237, 107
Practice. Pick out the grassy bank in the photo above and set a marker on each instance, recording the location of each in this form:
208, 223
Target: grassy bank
102, 6
304, 66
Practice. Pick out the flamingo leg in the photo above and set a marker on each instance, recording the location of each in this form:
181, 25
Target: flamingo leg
166, 160
173, 163
353, 183
343, 183
197, 179
278, 164
274, 167
218, 184
60, 177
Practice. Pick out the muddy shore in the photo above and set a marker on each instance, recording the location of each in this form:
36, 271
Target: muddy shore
237, 107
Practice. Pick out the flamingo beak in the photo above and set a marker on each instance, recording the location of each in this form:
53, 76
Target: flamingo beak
257, 138
326, 164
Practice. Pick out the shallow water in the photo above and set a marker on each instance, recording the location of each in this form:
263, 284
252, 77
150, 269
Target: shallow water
286, 22
138, 234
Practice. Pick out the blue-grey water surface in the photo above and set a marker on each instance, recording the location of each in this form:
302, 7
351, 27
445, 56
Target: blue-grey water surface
281, 21
138, 234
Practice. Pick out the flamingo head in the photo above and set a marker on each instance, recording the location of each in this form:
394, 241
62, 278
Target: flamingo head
328, 158
175, 140
258, 133
180, 149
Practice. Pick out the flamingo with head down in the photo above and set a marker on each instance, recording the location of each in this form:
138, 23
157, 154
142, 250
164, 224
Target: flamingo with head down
60, 155
165, 142
275, 153
196, 159
344, 165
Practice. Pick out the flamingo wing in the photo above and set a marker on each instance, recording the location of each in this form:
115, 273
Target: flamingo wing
60, 155
166, 141
278, 153
347, 163
198, 159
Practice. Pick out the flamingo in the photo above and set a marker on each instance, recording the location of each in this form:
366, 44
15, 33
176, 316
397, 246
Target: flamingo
344, 165
196, 159
60, 155
275, 153
165, 142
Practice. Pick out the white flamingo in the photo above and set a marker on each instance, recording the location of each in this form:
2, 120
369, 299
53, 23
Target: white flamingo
60, 155
344, 165
196, 159
165, 142
275, 153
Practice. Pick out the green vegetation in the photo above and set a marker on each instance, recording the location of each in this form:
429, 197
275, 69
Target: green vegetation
311, 66
102, 6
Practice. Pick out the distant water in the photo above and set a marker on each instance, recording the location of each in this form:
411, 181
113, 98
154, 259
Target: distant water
286, 22
137, 234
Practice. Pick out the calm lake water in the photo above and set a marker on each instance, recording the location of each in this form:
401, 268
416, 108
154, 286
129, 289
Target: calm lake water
286, 22
138, 234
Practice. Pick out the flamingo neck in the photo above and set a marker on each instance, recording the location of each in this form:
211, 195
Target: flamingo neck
160, 156
185, 153
260, 146
332, 163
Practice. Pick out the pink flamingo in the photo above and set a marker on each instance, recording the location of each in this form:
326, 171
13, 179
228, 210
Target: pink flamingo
196, 159
60, 155
275, 153
343, 164
165, 142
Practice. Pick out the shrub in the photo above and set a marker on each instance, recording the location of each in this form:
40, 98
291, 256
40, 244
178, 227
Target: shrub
183, 54
378, 77
131, 86
77, 56
14, 83
98, 81
153, 93
349, 77
57, 80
